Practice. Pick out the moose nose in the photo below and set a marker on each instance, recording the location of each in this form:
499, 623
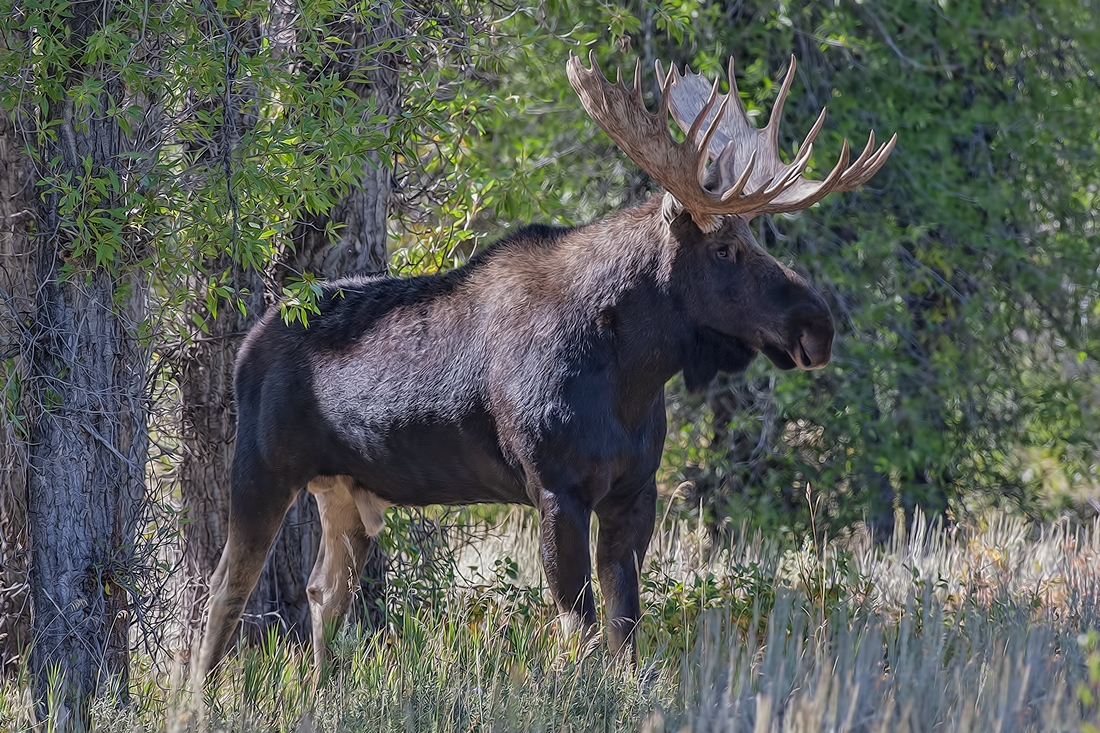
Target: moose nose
814, 346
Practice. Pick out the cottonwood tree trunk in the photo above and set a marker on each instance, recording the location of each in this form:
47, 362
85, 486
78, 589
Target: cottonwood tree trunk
16, 304
88, 442
359, 247
88, 450
206, 373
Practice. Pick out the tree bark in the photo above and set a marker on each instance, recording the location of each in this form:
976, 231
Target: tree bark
209, 430
88, 441
360, 247
16, 304
88, 450
206, 369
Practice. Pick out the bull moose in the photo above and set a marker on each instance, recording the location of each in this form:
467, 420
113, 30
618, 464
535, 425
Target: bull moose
535, 373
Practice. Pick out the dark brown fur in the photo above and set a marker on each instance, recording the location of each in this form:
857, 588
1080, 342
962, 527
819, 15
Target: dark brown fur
534, 374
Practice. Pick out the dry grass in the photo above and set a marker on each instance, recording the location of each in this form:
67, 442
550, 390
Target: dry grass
978, 629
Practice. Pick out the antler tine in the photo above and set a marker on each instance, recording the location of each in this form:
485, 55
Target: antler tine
880, 158
870, 146
783, 181
869, 167
806, 192
812, 134
794, 172
780, 101
739, 185
666, 98
786, 180
704, 145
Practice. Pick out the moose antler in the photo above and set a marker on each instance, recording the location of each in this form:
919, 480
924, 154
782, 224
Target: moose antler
764, 185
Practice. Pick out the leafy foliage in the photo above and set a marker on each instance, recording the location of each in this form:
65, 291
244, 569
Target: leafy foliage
963, 276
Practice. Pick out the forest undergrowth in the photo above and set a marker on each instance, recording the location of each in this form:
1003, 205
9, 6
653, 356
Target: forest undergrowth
990, 627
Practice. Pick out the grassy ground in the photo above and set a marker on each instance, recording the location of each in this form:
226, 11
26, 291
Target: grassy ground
985, 628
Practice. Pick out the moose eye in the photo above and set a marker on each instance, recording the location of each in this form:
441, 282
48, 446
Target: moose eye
722, 253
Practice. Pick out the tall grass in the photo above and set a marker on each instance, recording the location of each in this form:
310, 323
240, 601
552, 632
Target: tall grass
983, 629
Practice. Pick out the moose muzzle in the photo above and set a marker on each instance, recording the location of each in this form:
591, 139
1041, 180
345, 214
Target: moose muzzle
809, 339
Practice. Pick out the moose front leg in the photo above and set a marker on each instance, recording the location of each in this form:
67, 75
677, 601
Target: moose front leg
564, 523
625, 531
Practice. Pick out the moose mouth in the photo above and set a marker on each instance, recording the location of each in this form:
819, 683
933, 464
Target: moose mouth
793, 357
733, 355
715, 351
782, 358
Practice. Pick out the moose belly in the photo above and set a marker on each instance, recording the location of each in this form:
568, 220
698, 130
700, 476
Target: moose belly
420, 464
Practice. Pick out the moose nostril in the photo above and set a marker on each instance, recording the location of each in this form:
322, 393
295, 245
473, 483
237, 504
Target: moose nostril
814, 350
810, 350
804, 353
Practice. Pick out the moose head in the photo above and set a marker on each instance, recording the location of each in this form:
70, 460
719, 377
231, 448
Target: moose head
724, 173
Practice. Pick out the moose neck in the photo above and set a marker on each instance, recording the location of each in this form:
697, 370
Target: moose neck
634, 257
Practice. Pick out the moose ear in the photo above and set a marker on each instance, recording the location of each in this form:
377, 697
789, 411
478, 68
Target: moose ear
671, 208
682, 227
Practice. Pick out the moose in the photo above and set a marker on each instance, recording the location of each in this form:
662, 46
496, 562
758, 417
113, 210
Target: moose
535, 373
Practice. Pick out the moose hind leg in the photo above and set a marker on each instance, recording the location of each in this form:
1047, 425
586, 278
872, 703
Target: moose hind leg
252, 529
345, 509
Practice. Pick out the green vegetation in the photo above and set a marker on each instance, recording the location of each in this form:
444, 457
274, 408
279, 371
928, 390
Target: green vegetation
974, 630
964, 279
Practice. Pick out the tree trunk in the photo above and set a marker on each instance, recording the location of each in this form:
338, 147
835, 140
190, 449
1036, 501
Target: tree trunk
16, 305
280, 596
88, 450
209, 431
206, 369
88, 367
